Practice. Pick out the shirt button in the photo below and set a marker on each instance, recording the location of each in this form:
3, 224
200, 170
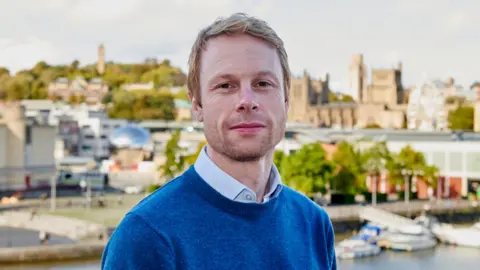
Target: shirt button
249, 197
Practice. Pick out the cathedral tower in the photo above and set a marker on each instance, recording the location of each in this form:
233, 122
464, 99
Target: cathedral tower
358, 78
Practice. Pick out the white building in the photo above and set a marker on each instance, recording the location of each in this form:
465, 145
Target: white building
94, 133
426, 108
26, 150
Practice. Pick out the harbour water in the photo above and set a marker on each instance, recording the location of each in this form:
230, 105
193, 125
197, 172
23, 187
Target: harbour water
442, 257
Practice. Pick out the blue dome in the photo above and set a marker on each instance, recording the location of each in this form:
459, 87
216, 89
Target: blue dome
131, 136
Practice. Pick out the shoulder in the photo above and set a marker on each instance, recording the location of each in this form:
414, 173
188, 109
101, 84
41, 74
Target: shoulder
135, 244
309, 208
164, 200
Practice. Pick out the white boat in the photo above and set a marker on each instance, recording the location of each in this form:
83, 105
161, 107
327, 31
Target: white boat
356, 248
360, 245
467, 237
408, 238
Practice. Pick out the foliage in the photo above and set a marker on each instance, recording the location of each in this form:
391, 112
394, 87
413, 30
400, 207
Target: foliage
461, 118
373, 126
332, 97
175, 162
278, 157
33, 83
182, 94
455, 100
350, 175
307, 170
142, 105
376, 158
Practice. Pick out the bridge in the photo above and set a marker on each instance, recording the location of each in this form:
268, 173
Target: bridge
74, 229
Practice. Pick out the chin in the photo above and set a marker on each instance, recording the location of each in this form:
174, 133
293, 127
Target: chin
247, 151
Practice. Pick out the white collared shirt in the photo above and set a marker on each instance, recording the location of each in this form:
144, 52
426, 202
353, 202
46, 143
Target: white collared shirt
230, 187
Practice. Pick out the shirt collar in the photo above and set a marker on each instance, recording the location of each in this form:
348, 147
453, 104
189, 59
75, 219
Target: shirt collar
229, 186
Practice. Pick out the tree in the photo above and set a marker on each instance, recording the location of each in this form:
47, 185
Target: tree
174, 162
373, 126
349, 174
307, 170
143, 105
182, 94
73, 99
278, 157
376, 159
461, 118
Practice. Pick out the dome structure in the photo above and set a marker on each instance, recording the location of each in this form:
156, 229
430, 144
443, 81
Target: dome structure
131, 137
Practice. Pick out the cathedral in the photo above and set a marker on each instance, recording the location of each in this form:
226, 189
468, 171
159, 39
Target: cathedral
378, 103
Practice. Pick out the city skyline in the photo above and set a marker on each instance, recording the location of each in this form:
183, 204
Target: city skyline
433, 39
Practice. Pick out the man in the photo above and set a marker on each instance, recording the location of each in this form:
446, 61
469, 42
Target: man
230, 210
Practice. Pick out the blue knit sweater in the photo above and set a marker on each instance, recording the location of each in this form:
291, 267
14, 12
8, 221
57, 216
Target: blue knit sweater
188, 225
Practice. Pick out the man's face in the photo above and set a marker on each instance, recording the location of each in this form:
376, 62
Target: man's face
243, 104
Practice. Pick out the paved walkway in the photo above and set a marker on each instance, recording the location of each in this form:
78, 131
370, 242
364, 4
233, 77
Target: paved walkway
74, 229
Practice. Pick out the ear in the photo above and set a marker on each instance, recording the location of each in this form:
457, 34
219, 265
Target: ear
196, 107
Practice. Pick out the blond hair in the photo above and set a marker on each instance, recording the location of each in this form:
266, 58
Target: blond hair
238, 23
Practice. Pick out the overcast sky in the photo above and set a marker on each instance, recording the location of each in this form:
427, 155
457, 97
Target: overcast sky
433, 38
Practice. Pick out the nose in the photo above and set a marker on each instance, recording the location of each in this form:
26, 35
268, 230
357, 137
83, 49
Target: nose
247, 100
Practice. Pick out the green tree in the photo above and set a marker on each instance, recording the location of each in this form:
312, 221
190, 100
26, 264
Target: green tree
278, 157
307, 170
461, 118
175, 162
409, 163
376, 161
350, 173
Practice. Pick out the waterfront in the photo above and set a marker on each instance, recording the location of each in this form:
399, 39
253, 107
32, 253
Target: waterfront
441, 257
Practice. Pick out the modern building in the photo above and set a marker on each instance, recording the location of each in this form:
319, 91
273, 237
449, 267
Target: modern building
94, 133
26, 150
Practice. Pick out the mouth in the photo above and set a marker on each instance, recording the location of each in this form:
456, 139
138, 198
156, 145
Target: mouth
248, 127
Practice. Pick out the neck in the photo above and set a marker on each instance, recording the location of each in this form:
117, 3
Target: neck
254, 175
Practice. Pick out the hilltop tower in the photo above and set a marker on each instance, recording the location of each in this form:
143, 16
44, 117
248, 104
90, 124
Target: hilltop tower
101, 59
476, 116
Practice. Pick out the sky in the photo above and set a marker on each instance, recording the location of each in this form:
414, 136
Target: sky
434, 39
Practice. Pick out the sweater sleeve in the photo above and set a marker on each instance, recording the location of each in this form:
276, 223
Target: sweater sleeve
331, 246
136, 245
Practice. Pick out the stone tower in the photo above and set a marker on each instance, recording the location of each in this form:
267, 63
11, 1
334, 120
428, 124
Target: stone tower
476, 116
101, 59
358, 78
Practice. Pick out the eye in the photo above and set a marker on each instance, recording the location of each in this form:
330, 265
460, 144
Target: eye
224, 85
264, 84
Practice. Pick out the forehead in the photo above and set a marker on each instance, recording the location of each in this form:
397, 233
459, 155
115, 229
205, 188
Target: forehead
237, 55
